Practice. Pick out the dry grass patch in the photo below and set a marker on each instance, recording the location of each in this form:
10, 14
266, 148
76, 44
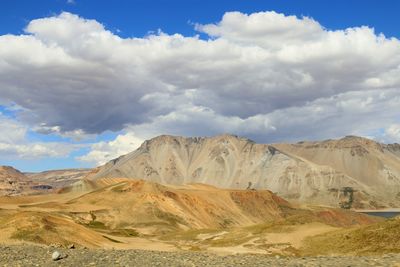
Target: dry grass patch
379, 238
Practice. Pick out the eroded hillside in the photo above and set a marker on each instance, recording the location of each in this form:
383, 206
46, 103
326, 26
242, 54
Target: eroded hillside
123, 213
313, 172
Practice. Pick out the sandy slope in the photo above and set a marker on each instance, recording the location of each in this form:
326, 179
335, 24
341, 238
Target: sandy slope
379, 238
125, 214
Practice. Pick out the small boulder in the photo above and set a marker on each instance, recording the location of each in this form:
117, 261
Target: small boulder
72, 246
56, 256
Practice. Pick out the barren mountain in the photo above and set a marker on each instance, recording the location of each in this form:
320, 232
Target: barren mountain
313, 172
374, 166
58, 178
12, 181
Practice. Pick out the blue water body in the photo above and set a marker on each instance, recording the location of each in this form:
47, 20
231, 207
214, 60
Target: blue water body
386, 214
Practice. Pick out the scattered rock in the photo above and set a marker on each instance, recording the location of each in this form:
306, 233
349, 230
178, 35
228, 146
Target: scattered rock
72, 246
56, 256
56, 245
29, 255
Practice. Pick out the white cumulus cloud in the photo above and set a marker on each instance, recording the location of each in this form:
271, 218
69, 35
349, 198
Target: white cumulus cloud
265, 75
15, 144
103, 152
393, 132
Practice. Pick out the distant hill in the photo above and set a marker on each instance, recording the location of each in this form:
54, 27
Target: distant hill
13, 182
58, 178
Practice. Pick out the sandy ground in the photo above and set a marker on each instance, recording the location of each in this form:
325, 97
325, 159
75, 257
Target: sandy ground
301, 232
277, 241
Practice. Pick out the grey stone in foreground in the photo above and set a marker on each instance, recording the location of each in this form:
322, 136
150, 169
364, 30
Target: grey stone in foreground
27, 255
56, 256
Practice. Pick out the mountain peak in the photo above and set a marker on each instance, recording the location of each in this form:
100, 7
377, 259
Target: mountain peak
349, 141
352, 141
166, 137
182, 140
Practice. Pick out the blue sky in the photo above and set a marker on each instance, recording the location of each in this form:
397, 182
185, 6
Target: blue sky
137, 18
82, 82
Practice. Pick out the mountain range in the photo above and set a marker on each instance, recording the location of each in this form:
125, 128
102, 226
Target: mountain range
311, 172
353, 170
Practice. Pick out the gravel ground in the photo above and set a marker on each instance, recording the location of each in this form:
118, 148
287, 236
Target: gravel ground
26, 255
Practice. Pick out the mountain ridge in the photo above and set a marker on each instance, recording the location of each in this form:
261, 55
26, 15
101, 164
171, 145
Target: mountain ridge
230, 161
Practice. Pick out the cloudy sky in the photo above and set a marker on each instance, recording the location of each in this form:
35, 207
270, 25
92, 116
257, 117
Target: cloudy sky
83, 83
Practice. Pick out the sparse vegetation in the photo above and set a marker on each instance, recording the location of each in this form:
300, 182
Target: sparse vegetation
274, 227
111, 239
124, 232
226, 223
347, 192
170, 218
188, 235
101, 227
28, 235
97, 225
230, 239
377, 238
119, 188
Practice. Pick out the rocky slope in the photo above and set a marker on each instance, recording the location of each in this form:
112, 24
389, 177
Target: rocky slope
306, 172
375, 166
13, 182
